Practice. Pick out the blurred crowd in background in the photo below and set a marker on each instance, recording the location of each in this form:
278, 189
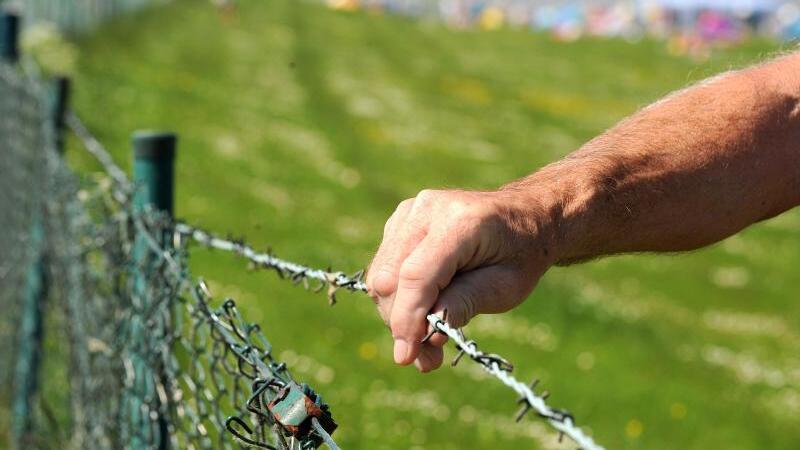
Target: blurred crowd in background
690, 27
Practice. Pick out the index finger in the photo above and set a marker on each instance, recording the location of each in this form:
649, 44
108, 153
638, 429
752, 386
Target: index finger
426, 271
401, 234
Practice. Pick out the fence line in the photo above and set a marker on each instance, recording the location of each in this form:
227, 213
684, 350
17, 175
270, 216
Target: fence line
271, 379
152, 365
175, 374
493, 364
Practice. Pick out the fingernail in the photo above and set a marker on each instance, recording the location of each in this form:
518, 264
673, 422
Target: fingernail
400, 351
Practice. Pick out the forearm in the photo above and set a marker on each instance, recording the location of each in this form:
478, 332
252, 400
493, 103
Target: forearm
687, 171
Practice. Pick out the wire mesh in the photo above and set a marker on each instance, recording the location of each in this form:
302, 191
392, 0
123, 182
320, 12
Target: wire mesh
153, 360
20, 130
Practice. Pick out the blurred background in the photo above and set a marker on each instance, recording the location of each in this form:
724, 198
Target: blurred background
302, 124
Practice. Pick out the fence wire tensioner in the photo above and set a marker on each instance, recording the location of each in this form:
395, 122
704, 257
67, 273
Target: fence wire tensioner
294, 410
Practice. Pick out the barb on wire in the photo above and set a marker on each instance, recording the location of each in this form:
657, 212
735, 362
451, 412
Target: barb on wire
493, 364
297, 273
498, 367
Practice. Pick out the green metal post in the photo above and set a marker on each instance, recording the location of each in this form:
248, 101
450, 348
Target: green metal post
29, 346
9, 41
153, 169
153, 173
58, 101
31, 330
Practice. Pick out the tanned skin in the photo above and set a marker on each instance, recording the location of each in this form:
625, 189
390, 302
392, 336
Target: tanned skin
685, 172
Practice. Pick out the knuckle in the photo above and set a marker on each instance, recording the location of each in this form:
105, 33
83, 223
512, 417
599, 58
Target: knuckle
383, 283
412, 271
466, 210
405, 205
426, 196
458, 204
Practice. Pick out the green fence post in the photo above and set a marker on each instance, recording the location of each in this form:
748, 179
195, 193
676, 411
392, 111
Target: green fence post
9, 41
153, 169
153, 174
34, 297
58, 101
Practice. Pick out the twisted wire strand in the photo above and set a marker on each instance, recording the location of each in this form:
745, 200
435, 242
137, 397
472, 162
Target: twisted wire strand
288, 269
493, 364
92, 145
499, 368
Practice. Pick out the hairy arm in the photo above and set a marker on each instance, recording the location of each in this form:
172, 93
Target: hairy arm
687, 171
684, 172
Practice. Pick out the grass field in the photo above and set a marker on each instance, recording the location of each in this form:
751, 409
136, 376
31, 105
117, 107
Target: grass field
302, 128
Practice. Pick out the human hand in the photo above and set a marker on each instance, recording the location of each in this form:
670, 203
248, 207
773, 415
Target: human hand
467, 252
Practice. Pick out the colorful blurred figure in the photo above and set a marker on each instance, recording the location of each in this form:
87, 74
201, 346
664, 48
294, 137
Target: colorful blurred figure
690, 27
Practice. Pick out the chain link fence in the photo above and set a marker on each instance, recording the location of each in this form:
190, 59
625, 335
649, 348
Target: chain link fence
152, 361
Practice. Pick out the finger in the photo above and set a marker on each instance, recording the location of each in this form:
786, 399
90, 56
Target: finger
429, 358
383, 304
384, 310
465, 294
426, 270
396, 247
390, 229
486, 290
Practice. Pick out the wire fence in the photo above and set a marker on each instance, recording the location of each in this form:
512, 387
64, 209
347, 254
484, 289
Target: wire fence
331, 281
152, 360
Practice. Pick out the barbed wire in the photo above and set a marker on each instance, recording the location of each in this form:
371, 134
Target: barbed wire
493, 364
295, 272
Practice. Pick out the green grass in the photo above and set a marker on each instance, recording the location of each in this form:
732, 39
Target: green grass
302, 128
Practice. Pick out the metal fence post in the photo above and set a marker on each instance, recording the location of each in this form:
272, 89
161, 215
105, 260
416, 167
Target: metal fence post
9, 41
29, 345
153, 174
58, 101
153, 169
34, 296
